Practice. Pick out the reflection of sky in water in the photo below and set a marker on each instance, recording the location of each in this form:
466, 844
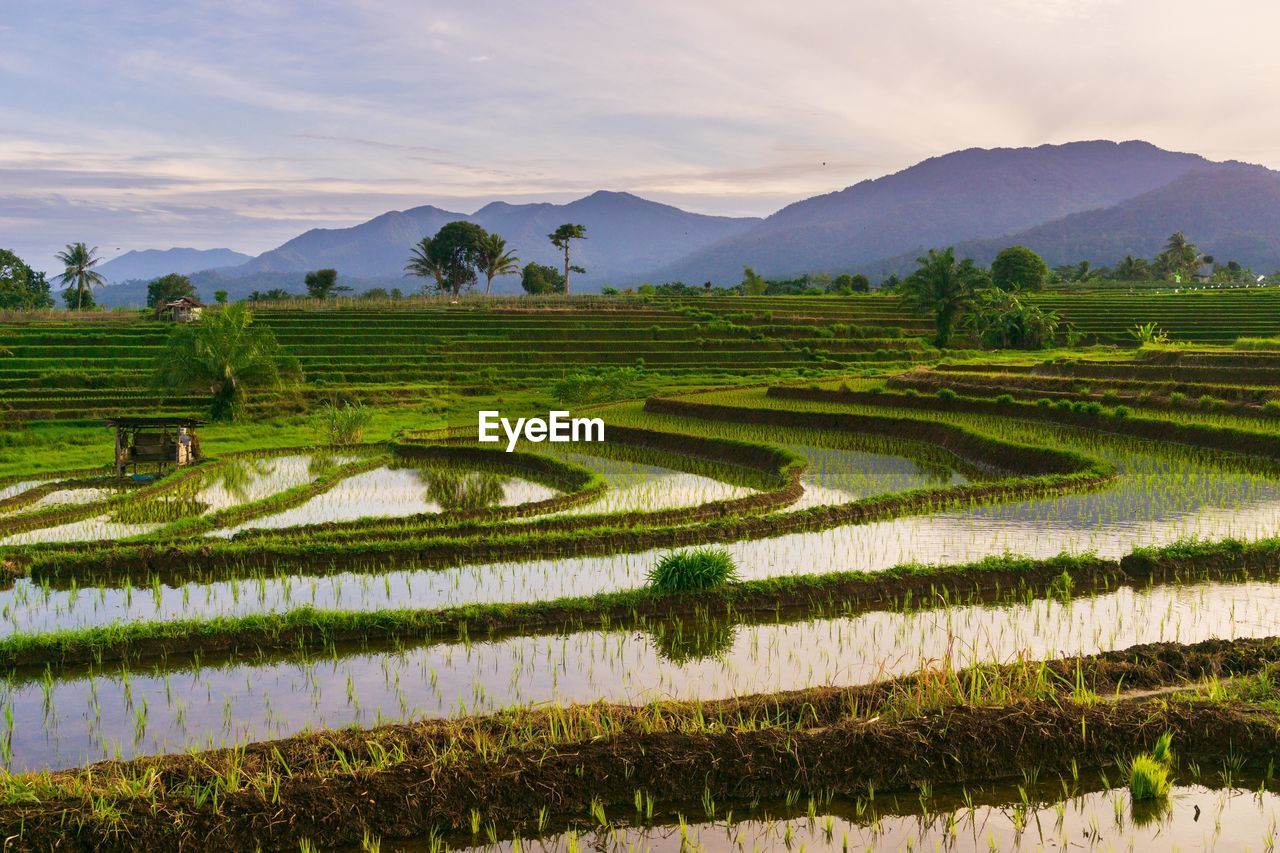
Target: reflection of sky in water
388, 492
637, 486
1203, 500
185, 708
840, 476
1194, 818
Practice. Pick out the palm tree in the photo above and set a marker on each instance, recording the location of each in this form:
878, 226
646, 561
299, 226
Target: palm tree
943, 287
496, 259
226, 354
423, 265
1180, 258
79, 261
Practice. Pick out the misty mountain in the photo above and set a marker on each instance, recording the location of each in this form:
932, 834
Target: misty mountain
153, 263
1231, 211
626, 236
965, 195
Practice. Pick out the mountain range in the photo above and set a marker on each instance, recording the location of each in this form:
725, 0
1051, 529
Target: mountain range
1095, 201
153, 263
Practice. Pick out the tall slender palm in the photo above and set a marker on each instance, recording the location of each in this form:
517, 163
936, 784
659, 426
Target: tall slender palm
80, 261
496, 259
423, 265
943, 286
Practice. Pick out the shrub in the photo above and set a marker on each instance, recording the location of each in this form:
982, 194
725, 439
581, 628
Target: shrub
1209, 402
1148, 779
336, 424
1044, 402
1092, 408
1271, 408
1110, 398
595, 386
910, 392
1005, 399
692, 571
1177, 398
1063, 405
946, 394
1122, 412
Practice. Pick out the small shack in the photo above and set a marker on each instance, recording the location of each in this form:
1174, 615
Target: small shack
181, 310
160, 440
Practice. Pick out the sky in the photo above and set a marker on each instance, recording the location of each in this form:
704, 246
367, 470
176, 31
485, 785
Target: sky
241, 123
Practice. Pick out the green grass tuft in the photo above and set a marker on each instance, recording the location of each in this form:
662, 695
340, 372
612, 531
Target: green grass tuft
1148, 779
694, 570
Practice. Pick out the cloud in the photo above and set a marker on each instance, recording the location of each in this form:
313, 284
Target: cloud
245, 121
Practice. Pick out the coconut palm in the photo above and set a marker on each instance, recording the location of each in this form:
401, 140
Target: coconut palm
423, 265
227, 355
496, 259
944, 287
79, 261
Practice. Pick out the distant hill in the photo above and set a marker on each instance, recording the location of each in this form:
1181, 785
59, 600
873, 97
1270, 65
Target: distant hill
626, 235
1231, 211
966, 195
153, 263
1081, 200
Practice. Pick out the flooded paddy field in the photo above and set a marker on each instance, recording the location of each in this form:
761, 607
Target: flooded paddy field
61, 719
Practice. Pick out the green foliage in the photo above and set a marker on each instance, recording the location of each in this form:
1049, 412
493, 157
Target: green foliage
1181, 260
944, 287
1002, 319
342, 423
496, 259
79, 300
598, 385
220, 296
845, 284
78, 261
1019, 268
21, 288
538, 279
452, 257
322, 284
693, 570
1148, 779
946, 394
1132, 269
753, 284
561, 238
168, 288
1148, 333
225, 354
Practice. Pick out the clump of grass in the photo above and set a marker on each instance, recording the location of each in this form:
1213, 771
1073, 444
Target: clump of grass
694, 570
1149, 774
1148, 779
336, 424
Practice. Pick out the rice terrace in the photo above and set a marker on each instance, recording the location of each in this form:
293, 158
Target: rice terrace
822, 584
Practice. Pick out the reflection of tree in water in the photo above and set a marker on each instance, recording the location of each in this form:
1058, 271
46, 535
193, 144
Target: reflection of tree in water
932, 472
701, 637
320, 464
236, 475
459, 489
